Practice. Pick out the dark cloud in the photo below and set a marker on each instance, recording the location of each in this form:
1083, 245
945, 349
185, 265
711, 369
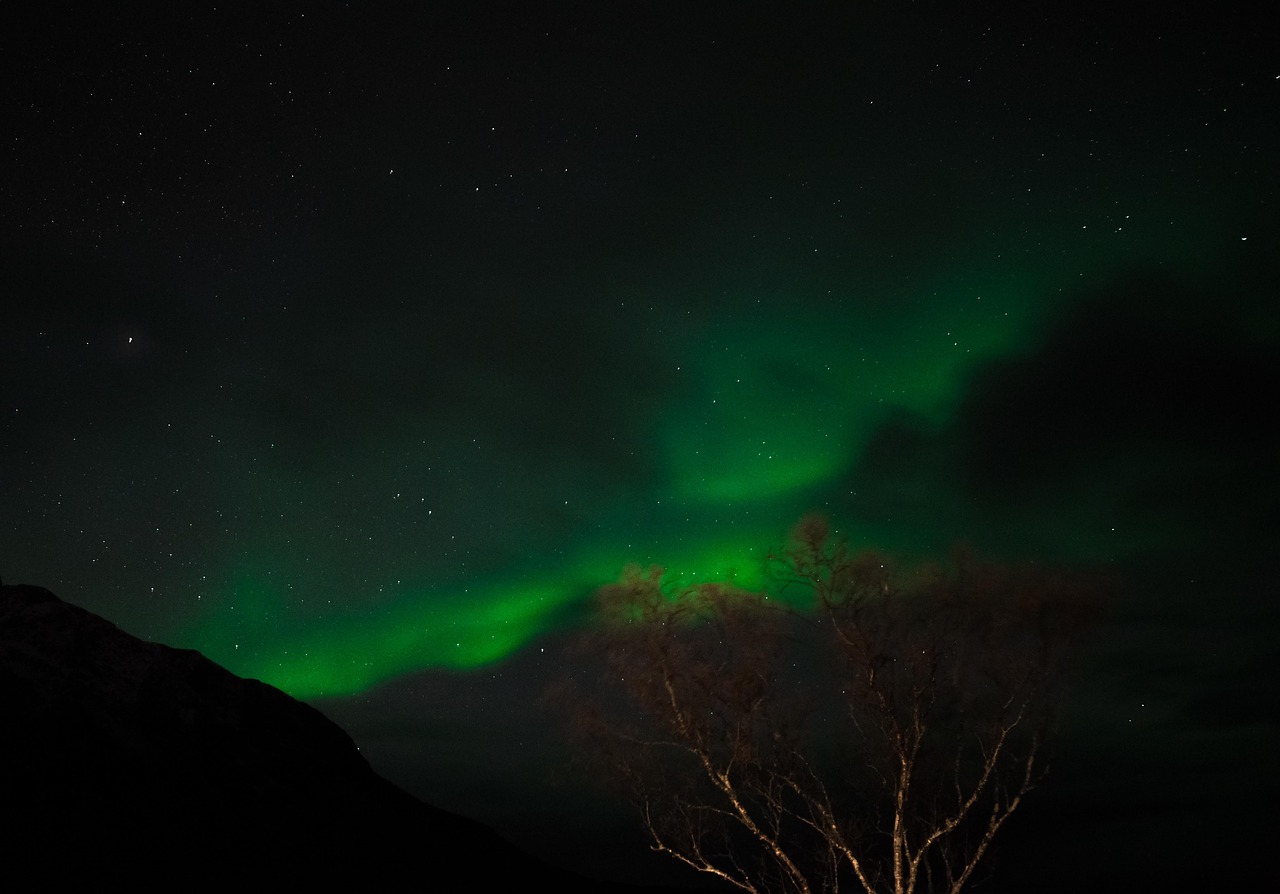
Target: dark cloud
1146, 366
1140, 405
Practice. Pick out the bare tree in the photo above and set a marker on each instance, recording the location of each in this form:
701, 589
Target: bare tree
862, 729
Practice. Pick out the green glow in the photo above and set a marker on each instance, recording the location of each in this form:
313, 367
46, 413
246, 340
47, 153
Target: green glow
766, 415
777, 406
426, 626
353, 654
771, 412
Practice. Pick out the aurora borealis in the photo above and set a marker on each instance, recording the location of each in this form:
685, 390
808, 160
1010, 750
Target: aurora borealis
353, 348
405, 541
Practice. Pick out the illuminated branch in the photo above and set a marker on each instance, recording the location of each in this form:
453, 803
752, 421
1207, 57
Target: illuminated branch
893, 777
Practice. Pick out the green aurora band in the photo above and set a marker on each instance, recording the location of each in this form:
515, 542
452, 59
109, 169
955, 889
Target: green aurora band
771, 414
771, 422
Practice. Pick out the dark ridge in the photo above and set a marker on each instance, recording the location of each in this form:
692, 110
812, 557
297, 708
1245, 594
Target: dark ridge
135, 761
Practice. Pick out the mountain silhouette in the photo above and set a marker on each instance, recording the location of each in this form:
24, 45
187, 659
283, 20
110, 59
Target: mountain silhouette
151, 765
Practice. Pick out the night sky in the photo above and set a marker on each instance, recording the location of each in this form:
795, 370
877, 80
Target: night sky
356, 348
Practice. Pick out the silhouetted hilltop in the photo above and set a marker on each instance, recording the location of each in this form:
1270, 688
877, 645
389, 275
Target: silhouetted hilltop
128, 759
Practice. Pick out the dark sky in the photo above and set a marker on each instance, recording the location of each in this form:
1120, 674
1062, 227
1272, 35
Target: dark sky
356, 347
